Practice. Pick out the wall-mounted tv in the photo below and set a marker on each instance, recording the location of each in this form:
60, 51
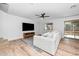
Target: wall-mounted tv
27, 27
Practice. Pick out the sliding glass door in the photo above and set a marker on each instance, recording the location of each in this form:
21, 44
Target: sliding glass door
71, 29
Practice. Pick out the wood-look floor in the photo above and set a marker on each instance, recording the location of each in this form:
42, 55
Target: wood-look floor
18, 48
67, 47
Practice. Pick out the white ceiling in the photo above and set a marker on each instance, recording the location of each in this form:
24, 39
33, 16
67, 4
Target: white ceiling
54, 10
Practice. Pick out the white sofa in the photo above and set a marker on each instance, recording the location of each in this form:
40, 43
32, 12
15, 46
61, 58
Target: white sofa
48, 41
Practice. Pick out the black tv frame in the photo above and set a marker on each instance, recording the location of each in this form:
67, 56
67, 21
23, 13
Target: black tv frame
27, 26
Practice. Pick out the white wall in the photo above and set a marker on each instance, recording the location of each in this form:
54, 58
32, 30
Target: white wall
0, 25
39, 27
58, 25
12, 26
1, 18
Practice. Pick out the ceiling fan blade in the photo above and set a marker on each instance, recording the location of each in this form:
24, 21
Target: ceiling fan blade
44, 13
46, 16
37, 15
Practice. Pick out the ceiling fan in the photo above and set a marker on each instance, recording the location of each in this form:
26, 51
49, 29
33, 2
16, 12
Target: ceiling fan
42, 15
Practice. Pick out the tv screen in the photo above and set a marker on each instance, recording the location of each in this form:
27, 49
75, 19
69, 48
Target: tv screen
27, 26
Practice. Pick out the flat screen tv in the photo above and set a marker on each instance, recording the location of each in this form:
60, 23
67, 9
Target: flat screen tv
27, 27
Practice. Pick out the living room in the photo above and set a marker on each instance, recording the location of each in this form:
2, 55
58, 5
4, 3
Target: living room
26, 26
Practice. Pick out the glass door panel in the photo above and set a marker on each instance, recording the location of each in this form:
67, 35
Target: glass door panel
71, 29
68, 30
76, 30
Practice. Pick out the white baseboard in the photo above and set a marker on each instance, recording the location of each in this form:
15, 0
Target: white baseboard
13, 38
